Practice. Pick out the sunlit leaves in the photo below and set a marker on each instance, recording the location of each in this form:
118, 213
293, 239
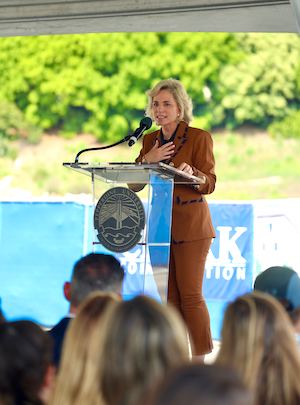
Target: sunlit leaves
97, 82
261, 86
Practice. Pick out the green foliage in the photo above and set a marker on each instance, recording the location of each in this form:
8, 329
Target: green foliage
7, 150
264, 84
289, 127
14, 126
96, 83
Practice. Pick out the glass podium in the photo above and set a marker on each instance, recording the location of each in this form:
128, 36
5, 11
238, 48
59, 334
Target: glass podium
146, 264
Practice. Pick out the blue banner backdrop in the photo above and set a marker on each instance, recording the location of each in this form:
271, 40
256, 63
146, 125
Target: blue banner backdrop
40, 241
229, 267
230, 264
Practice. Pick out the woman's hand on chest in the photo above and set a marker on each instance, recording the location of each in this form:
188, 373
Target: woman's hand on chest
158, 153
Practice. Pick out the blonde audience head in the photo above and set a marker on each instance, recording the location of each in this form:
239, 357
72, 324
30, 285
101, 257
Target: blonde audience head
258, 341
78, 378
143, 341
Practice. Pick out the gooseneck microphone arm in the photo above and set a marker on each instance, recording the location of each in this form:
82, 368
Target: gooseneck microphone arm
100, 147
145, 123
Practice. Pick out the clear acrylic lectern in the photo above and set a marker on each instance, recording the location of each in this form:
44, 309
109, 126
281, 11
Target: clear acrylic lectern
146, 264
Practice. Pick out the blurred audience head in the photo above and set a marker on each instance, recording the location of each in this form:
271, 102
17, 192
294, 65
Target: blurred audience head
78, 377
143, 340
258, 341
26, 374
283, 283
202, 384
94, 272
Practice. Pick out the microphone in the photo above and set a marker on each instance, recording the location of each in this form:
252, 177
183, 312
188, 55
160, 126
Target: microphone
145, 123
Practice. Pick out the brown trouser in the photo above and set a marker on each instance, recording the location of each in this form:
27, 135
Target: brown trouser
186, 270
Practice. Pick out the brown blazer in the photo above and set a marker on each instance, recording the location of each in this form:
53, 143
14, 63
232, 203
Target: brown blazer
191, 218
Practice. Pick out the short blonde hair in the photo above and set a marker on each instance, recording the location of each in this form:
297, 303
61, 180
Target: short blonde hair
77, 380
143, 340
183, 100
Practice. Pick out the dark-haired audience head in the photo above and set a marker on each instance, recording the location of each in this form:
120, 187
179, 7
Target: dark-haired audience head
26, 373
258, 340
202, 384
94, 272
142, 341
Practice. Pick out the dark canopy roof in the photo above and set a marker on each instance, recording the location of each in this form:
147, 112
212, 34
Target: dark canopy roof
37, 17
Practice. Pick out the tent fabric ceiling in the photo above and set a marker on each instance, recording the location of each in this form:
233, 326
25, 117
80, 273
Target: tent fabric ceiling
41, 17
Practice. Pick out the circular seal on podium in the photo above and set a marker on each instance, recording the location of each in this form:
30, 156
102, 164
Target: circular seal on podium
119, 219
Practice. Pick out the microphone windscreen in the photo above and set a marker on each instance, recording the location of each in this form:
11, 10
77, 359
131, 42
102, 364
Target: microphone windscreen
146, 122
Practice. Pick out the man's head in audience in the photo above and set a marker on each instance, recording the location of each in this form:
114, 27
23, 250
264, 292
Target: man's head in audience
94, 272
283, 283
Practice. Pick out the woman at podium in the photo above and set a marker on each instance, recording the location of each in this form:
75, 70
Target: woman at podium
191, 151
